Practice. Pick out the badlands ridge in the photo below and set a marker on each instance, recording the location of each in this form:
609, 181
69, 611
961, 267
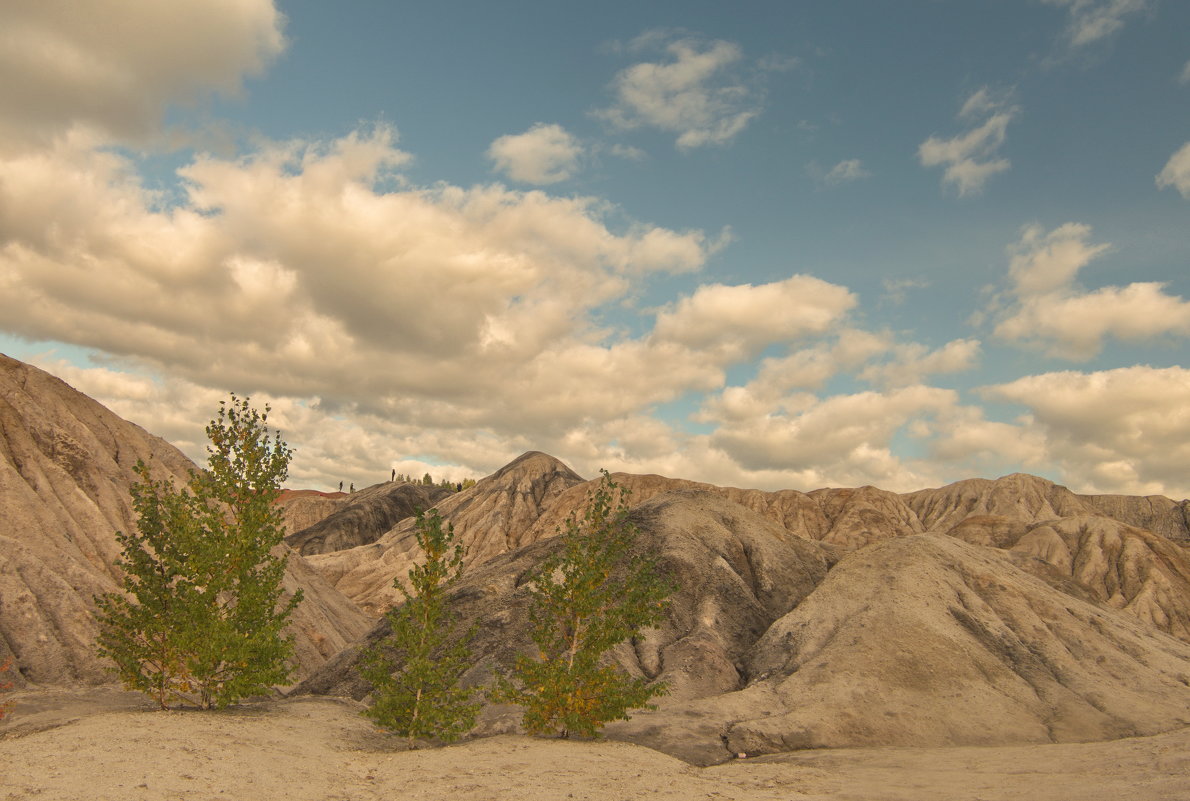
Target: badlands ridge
999, 612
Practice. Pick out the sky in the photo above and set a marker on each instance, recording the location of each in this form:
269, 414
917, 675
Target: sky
779, 244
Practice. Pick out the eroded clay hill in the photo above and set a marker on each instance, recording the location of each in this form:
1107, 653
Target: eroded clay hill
65, 470
915, 640
364, 516
1131, 568
489, 519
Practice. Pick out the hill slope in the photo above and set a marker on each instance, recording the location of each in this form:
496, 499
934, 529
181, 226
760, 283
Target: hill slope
65, 471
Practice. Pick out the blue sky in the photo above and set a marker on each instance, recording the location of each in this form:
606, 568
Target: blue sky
785, 244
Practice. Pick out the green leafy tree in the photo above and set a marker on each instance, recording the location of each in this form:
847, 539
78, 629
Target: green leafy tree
595, 592
200, 619
415, 671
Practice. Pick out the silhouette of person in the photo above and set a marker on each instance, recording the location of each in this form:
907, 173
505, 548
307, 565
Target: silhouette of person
340, 486
394, 478
353, 486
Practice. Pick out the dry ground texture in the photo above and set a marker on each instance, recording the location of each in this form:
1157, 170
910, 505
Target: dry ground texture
104, 744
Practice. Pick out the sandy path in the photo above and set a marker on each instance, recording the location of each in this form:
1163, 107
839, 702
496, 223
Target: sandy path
320, 749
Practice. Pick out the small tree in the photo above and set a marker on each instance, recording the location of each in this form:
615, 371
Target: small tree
415, 671
200, 619
585, 599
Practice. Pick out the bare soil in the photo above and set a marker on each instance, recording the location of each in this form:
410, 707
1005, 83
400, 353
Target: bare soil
102, 744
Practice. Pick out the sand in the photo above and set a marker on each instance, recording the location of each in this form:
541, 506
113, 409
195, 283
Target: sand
103, 744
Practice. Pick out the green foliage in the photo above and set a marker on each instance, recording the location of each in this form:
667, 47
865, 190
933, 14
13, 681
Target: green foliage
200, 619
593, 594
427, 480
415, 671
5, 686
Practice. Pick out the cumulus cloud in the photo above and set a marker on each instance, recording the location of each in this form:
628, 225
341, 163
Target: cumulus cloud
971, 158
693, 93
745, 318
544, 154
115, 67
910, 362
1048, 310
387, 321
804, 369
1091, 21
1176, 172
844, 439
1118, 431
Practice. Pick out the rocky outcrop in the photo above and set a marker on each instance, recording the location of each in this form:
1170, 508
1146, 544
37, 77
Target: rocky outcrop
487, 520
66, 465
365, 517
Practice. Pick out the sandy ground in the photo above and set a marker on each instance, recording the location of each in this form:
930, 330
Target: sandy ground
105, 744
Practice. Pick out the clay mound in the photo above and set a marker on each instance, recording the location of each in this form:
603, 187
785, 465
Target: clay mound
65, 471
487, 519
796, 512
1018, 496
303, 508
1127, 568
841, 519
1156, 513
736, 573
365, 517
927, 640
860, 517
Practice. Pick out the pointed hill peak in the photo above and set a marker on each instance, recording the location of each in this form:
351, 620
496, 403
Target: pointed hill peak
531, 465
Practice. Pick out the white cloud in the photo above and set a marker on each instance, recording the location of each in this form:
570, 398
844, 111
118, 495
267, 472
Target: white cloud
115, 67
544, 154
779, 379
1094, 20
1176, 172
912, 361
293, 255
844, 440
1043, 262
1049, 311
692, 94
745, 318
972, 158
1120, 431
845, 172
